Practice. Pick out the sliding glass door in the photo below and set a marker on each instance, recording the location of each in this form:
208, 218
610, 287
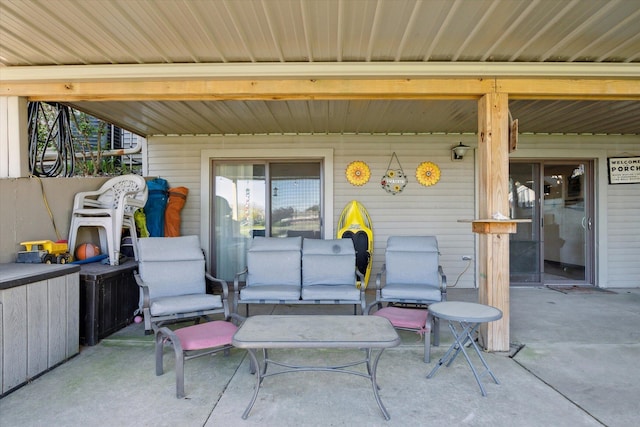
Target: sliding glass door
259, 198
557, 246
525, 246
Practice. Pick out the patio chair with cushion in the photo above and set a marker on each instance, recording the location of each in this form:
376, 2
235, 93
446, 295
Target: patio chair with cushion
411, 275
191, 342
173, 282
273, 272
410, 319
329, 273
110, 209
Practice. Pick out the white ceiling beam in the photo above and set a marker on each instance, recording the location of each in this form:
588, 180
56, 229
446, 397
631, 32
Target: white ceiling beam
222, 71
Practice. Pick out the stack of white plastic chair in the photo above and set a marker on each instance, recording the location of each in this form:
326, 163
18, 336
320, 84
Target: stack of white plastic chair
110, 209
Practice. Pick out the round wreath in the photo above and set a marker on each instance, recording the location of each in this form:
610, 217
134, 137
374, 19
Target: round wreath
428, 173
358, 173
394, 181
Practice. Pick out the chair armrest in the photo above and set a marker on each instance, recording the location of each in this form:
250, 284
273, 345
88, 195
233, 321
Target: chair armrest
91, 203
222, 283
236, 290
137, 203
236, 280
145, 290
379, 277
361, 279
165, 332
443, 282
236, 319
126, 198
80, 200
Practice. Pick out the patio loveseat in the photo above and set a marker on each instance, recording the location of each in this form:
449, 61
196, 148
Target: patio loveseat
291, 270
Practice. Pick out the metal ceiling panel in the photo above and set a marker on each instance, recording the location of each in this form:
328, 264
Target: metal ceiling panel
287, 117
360, 117
58, 32
605, 117
147, 31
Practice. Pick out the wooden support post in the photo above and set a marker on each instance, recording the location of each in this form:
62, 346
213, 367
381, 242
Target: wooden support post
493, 256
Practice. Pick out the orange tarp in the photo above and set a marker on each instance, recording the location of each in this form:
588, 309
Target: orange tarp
177, 199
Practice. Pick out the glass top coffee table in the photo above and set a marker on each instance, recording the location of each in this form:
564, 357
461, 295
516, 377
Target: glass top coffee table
267, 332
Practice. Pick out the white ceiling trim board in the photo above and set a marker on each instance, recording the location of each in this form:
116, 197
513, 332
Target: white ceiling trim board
314, 70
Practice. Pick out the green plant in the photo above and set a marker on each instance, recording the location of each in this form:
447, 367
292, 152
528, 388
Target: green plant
65, 141
88, 131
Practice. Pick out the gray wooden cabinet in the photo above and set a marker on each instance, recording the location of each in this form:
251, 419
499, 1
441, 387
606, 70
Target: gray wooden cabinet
39, 320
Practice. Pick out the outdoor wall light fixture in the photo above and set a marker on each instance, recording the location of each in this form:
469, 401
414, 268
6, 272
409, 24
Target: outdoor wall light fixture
458, 152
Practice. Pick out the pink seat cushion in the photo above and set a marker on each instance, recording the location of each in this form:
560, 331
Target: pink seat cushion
206, 335
409, 318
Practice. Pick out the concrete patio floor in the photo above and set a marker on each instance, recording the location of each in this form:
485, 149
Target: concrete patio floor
578, 365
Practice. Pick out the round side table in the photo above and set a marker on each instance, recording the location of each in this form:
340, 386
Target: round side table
469, 316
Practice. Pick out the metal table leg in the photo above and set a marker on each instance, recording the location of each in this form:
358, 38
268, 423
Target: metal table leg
461, 338
259, 373
370, 362
374, 385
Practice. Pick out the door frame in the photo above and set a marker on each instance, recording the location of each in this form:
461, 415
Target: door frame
600, 186
542, 165
207, 156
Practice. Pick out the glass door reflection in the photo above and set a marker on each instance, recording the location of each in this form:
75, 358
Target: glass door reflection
556, 247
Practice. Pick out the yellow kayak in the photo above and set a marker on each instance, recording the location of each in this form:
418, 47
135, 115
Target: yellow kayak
356, 224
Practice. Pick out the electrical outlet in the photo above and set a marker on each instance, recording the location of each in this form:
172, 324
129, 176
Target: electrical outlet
466, 258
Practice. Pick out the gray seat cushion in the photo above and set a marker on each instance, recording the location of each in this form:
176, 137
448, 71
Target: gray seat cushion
395, 291
331, 292
184, 304
270, 292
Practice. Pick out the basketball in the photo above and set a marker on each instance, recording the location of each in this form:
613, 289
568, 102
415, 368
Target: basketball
87, 250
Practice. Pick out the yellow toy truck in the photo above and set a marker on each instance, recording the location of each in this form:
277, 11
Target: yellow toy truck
45, 252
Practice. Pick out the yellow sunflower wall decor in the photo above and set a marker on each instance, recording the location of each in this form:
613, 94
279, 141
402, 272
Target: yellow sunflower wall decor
428, 173
358, 173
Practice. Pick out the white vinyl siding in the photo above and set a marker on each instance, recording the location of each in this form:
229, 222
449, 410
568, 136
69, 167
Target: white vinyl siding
417, 210
422, 210
624, 235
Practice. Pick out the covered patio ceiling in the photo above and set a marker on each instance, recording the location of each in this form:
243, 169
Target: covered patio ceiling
404, 39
